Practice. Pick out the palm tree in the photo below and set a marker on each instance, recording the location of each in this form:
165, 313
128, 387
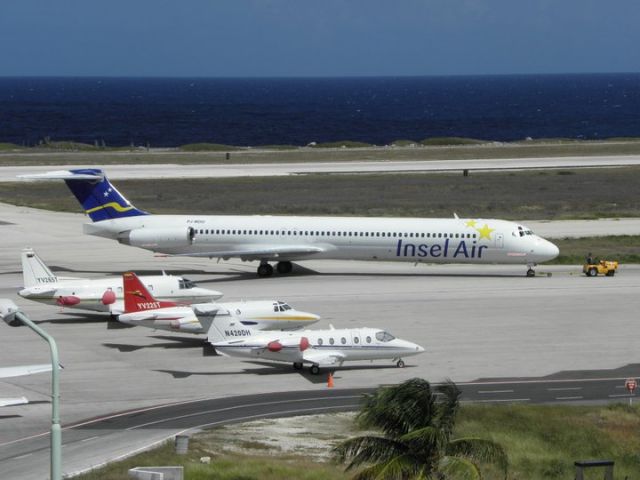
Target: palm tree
417, 425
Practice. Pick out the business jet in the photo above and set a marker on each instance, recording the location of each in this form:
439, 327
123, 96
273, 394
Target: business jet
284, 239
318, 348
142, 309
99, 295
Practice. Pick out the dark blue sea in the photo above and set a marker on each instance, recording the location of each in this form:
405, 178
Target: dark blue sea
163, 112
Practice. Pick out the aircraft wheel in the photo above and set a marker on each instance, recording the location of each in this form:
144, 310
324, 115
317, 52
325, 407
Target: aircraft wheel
400, 364
531, 272
297, 365
593, 272
284, 267
265, 270
314, 369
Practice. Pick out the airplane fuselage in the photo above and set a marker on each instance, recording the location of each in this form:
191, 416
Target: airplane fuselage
345, 238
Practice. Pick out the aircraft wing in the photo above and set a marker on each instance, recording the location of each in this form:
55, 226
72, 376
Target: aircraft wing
258, 252
7, 372
325, 358
117, 307
7, 402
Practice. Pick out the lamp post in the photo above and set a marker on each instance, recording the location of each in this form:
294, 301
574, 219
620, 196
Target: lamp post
11, 314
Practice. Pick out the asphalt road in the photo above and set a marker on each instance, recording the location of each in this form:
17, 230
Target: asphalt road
125, 171
475, 322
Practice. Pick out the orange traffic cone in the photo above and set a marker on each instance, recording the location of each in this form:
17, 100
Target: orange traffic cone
330, 380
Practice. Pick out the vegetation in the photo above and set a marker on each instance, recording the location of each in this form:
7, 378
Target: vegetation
452, 141
522, 195
222, 467
623, 248
417, 425
207, 147
436, 149
342, 144
543, 441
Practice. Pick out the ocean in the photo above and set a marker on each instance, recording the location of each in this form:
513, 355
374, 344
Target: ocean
167, 112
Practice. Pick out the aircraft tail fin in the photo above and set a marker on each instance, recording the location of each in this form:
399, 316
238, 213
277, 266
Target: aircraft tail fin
99, 199
137, 297
34, 270
227, 328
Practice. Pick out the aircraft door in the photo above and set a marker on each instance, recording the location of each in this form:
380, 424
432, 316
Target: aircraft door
499, 240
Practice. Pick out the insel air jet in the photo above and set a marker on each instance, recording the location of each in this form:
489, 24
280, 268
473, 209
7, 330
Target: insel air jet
142, 309
317, 348
283, 239
102, 294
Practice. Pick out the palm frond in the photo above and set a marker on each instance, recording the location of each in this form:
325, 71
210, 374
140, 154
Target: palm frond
479, 450
428, 442
368, 449
447, 406
399, 468
400, 408
459, 468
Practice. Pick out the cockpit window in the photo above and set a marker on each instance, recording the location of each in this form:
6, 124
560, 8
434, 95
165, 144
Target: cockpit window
384, 336
522, 231
281, 307
185, 284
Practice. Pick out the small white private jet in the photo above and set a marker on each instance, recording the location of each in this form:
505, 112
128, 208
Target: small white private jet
102, 294
142, 309
18, 371
317, 348
284, 239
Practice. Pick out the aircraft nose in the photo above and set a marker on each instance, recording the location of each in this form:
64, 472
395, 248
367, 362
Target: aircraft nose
550, 250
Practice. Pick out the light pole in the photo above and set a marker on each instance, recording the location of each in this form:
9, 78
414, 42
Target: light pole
11, 314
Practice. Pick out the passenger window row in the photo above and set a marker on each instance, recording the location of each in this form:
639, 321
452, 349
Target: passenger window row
312, 233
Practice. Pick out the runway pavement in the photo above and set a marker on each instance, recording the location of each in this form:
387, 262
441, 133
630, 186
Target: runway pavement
133, 171
474, 321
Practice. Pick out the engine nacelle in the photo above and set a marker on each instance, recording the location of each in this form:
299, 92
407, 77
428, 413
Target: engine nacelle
158, 238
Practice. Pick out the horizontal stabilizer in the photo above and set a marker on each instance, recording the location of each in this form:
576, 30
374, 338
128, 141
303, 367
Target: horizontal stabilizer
64, 175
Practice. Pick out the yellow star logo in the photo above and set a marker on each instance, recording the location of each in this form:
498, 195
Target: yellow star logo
485, 232
471, 223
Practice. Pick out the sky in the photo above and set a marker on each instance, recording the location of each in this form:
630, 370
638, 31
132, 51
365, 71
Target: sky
292, 38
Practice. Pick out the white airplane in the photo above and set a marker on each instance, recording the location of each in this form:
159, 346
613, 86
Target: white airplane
99, 295
142, 309
318, 348
283, 239
18, 371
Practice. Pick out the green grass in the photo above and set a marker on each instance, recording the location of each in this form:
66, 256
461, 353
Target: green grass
342, 144
623, 248
542, 442
222, 467
522, 195
207, 147
448, 141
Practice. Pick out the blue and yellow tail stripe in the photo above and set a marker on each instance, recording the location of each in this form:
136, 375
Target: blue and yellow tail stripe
99, 199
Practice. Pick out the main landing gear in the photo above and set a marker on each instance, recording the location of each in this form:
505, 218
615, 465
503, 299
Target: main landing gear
266, 270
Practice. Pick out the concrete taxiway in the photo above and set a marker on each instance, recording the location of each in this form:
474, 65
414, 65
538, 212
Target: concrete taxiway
474, 321
142, 171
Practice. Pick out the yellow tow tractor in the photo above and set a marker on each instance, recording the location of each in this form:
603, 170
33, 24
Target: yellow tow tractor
603, 267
